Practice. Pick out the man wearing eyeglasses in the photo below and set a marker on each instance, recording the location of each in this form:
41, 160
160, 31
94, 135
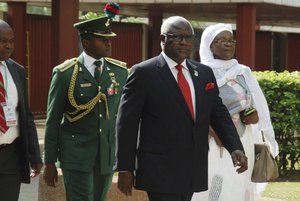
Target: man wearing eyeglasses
82, 106
166, 108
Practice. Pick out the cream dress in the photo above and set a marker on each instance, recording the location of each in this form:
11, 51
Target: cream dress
233, 79
224, 183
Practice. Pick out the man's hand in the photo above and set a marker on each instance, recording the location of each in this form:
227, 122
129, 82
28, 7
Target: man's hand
125, 182
35, 169
239, 159
50, 174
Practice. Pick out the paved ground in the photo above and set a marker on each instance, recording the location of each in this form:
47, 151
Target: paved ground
29, 192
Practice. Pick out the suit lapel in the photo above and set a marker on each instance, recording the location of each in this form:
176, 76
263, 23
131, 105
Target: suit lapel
168, 78
86, 75
104, 73
199, 86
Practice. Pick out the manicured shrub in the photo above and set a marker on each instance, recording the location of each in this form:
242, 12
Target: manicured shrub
282, 91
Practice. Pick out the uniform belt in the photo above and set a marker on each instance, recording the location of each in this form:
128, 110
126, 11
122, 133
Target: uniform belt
3, 145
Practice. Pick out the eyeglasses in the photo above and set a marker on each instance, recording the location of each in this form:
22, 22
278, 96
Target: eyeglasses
225, 42
179, 37
5, 41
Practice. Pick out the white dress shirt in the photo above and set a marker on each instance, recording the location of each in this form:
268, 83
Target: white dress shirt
171, 63
88, 62
12, 99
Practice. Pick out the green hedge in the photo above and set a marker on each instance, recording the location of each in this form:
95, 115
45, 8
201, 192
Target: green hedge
282, 91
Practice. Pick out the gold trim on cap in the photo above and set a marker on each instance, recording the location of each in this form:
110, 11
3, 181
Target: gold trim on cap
105, 35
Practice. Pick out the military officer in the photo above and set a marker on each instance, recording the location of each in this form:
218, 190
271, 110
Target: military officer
82, 106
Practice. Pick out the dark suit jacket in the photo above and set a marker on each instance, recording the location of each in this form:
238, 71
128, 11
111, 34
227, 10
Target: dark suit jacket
27, 143
172, 149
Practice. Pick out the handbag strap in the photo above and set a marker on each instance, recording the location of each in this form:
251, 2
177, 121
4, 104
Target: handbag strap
263, 136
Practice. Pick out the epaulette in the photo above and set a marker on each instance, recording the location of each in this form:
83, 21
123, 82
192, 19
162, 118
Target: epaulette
116, 62
67, 64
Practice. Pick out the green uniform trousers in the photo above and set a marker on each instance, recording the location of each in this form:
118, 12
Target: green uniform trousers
87, 186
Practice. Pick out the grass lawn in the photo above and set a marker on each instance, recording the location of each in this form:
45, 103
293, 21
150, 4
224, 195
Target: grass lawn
287, 189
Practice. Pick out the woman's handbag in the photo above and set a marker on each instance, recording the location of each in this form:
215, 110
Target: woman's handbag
265, 167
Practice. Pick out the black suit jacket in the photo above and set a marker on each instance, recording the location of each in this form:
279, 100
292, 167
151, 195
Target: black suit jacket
27, 143
155, 127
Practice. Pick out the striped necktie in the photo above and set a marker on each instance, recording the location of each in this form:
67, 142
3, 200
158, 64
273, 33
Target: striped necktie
3, 126
185, 89
97, 72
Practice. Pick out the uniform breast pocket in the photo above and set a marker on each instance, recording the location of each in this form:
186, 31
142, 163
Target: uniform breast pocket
84, 93
72, 147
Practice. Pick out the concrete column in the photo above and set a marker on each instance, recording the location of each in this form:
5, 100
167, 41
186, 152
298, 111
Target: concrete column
245, 34
16, 17
65, 37
155, 21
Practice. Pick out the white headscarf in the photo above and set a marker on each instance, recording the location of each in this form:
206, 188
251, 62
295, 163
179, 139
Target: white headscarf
207, 38
225, 70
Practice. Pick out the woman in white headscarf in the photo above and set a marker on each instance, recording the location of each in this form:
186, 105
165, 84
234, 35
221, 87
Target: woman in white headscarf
248, 108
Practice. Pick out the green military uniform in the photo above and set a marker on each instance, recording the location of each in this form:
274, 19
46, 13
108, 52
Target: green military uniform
80, 127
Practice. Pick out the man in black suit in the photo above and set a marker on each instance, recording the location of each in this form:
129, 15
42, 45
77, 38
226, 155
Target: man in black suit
166, 108
19, 146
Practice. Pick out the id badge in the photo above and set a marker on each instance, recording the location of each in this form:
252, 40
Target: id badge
10, 114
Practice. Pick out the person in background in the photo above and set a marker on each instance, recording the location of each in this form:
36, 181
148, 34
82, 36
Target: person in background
243, 97
81, 116
19, 147
166, 108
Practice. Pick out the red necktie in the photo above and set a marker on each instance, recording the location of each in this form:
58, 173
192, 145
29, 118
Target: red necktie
3, 126
185, 89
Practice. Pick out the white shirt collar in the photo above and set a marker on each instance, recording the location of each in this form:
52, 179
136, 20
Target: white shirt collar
88, 61
3, 64
171, 63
